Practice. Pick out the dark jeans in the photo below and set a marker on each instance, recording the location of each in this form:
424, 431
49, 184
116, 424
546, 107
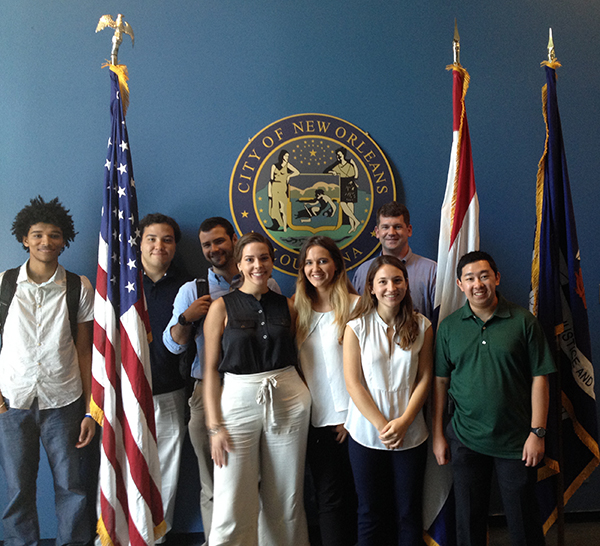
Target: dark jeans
472, 485
334, 486
20, 435
389, 485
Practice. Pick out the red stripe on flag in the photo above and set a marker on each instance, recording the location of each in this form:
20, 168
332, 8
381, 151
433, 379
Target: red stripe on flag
138, 380
101, 280
108, 518
104, 347
465, 179
142, 309
138, 466
99, 338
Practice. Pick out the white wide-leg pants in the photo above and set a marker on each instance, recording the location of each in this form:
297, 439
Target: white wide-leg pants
267, 417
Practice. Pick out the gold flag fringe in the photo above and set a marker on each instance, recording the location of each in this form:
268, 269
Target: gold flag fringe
103, 535
160, 530
121, 71
463, 113
539, 199
429, 540
551, 64
96, 412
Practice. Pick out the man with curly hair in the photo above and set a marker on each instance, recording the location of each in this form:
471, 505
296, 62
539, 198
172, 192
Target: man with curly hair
45, 377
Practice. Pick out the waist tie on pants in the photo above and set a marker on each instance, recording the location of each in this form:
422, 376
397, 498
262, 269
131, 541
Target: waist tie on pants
264, 396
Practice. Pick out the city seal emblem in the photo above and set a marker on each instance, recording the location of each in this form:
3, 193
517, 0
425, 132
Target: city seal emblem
311, 174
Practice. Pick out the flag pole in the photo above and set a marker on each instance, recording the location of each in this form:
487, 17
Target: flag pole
560, 480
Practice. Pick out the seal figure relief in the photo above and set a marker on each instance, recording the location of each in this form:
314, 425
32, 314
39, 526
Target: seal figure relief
308, 174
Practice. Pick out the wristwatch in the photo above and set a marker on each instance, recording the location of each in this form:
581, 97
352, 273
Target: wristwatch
540, 432
182, 321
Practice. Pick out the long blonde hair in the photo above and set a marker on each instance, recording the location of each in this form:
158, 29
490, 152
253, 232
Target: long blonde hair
406, 327
306, 294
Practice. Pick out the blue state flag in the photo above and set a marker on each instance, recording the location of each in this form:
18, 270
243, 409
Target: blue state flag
558, 300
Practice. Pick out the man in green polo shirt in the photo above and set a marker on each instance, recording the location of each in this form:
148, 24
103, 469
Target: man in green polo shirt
492, 361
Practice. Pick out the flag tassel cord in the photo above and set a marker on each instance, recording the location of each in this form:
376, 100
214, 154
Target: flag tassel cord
121, 71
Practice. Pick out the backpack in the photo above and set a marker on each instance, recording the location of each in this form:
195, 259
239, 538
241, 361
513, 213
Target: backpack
9, 287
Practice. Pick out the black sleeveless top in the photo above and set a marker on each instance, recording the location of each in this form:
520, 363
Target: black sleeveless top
258, 336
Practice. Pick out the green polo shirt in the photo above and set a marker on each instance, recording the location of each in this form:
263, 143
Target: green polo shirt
491, 366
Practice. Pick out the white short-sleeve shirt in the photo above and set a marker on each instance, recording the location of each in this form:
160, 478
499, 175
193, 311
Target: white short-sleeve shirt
39, 357
390, 377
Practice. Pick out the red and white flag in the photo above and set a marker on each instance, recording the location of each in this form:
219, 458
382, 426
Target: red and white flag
459, 234
130, 500
459, 226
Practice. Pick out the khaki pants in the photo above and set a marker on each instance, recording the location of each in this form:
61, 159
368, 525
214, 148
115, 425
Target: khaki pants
201, 445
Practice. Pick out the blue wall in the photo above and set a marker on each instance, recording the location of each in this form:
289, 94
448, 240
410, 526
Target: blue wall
207, 75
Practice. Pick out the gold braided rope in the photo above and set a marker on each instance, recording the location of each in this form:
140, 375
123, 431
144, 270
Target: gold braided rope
121, 71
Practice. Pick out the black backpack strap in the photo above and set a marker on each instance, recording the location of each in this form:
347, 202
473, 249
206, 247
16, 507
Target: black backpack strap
9, 287
73, 297
7, 292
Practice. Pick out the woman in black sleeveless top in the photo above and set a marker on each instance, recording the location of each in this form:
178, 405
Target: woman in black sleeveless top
258, 420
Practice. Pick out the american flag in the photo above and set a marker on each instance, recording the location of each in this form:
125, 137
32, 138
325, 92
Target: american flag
130, 500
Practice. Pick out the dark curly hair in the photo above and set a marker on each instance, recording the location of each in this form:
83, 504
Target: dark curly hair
51, 212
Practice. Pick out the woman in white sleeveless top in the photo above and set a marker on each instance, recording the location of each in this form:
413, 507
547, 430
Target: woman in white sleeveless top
388, 367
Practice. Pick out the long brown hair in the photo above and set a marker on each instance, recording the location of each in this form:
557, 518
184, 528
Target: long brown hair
306, 293
406, 327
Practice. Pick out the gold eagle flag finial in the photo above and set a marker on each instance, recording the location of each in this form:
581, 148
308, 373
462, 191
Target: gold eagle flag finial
120, 27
